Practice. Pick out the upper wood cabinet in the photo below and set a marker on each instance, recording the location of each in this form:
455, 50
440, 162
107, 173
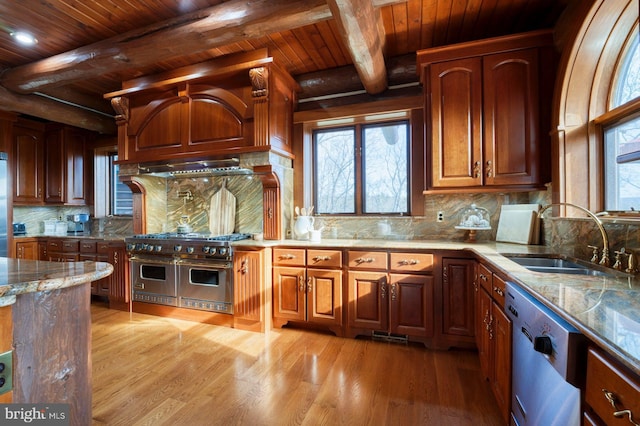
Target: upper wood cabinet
219, 108
66, 171
28, 163
483, 112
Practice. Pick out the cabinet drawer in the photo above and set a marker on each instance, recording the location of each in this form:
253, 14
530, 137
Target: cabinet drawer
70, 246
411, 262
498, 291
102, 247
485, 276
87, 247
367, 259
604, 376
289, 257
324, 258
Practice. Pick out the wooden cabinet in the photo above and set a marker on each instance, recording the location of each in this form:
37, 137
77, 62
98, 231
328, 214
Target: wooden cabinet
391, 293
612, 392
63, 250
119, 287
457, 328
249, 289
307, 287
28, 163
494, 336
66, 176
96, 251
483, 104
27, 249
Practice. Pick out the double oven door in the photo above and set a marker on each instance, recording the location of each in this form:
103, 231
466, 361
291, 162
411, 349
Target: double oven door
206, 285
154, 280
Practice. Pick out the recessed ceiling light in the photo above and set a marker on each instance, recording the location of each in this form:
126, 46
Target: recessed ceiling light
24, 38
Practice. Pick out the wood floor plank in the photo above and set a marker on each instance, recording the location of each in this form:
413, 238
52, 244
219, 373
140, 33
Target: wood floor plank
158, 371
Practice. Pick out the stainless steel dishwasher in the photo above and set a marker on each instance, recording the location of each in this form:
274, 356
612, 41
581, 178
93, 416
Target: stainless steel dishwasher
547, 353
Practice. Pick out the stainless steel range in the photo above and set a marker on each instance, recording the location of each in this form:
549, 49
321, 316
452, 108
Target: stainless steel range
184, 270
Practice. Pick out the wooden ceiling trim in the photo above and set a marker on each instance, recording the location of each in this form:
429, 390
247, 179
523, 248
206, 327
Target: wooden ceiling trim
359, 27
429, 13
414, 20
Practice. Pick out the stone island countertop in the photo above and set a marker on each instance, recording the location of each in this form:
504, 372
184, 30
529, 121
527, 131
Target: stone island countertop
605, 309
19, 276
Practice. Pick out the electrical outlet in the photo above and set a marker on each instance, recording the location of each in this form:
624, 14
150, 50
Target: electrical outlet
6, 372
440, 217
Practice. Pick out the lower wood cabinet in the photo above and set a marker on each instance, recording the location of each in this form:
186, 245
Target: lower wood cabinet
120, 286
27, 250
386, 301
458, 303
249, 290
494, 337
612, 392
307, 287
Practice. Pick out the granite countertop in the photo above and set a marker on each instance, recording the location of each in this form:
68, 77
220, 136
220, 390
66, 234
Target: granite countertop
79, 235
605, 309
19, 276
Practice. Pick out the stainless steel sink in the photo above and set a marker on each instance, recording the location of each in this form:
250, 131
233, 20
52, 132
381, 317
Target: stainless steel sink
559, 264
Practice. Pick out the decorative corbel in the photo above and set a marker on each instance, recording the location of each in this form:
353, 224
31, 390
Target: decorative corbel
259, 81
121, 107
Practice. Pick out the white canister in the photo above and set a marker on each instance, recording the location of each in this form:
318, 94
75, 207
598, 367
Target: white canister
314, 235
302, 226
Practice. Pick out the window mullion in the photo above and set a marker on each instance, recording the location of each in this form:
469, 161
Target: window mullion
359, 159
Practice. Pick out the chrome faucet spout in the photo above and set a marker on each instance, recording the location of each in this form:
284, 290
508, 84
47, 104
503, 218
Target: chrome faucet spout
605, 239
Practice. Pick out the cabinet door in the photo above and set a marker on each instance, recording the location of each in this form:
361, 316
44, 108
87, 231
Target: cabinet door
247, 288
289, 289
511, 118
484, 336
324, 296
28, 173
120, 289
456, 123
368, 300
411, 304
501, 378
76, 187
54, 167
27, 250
458, 297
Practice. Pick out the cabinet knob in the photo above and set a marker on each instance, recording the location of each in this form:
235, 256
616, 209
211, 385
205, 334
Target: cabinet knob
489, 168
499, 291
394, 291
476, 169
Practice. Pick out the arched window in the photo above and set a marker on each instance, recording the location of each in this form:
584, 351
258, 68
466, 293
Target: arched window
622, 137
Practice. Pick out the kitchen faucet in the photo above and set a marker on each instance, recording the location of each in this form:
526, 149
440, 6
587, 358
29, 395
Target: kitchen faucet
604, 261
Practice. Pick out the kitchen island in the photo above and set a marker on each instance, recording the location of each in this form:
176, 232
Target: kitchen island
45, 320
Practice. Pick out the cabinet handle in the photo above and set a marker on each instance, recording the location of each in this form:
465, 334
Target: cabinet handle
309, 285
490, 327
244, 266
364, 260
383, 288
321, 258
483, 277
301, 281
499, 291
394, 291
476, 169
115, 257
409, 262
489, 168
287, 256
611, 397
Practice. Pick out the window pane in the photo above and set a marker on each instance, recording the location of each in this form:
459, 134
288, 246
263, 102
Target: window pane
627, 80
121, 196
334, 171
385, 168
622, 167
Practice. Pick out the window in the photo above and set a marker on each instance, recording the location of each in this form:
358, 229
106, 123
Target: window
362, 169
120, 194
622, 138
112, 197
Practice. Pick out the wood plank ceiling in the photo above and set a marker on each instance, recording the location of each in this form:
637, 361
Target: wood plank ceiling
87, 48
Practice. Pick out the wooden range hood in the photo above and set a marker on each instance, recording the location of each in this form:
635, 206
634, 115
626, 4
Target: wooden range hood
241, 105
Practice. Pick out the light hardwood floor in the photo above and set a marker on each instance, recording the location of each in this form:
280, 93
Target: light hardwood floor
156, 371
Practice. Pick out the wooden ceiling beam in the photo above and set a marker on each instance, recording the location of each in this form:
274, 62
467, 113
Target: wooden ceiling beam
226, 23
362, 32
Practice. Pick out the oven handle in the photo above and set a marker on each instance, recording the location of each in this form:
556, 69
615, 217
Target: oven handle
153, 260
206, 264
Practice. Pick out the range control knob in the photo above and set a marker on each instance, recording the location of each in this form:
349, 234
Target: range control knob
130, 246
205, 249
543, 345
190, 250
158, 248
177, 247
222, 251
212, 251
149, 247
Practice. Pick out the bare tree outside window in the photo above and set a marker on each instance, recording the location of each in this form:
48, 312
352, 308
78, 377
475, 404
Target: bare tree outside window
362, 169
